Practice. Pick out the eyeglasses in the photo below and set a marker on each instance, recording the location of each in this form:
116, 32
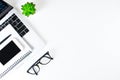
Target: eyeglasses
44, 60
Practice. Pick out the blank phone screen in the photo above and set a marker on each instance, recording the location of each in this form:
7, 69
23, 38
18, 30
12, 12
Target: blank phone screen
8, 52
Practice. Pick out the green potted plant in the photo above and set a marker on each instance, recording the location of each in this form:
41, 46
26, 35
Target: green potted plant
28, 9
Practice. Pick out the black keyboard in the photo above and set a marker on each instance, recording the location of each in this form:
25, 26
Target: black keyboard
17, 25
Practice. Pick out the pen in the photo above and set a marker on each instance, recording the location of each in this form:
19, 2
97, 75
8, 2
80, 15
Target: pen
5, 39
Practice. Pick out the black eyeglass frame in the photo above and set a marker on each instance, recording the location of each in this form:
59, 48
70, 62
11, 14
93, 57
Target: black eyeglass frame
46, 55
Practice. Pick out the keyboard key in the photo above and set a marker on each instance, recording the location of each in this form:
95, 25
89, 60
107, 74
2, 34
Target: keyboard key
21, 29
18, 21
14, 23
14, 18
19, 25
22, 34
10, 21
26, 30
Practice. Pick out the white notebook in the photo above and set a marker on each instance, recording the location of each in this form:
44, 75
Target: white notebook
13, 49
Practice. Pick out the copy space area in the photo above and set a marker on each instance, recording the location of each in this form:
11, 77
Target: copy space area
84, 36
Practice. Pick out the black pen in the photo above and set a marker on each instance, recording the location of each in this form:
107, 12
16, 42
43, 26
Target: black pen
5, 39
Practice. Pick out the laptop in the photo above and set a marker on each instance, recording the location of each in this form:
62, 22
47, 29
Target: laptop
16, 34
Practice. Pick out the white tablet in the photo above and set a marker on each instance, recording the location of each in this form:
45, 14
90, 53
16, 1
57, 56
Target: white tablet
9, 49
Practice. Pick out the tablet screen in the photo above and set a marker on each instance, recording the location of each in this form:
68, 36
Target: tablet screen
8, 52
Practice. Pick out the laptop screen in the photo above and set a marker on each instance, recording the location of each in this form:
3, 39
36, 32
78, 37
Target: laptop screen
4, 8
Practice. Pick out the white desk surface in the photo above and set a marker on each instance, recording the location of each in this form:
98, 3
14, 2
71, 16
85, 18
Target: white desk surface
84, 36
